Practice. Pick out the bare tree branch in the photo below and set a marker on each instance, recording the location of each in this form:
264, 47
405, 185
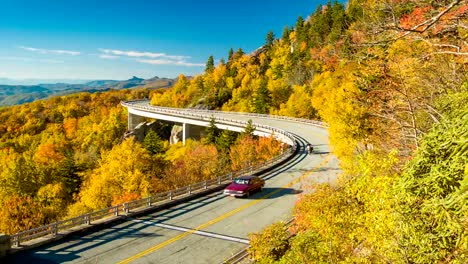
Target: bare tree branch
448, 52
430, 22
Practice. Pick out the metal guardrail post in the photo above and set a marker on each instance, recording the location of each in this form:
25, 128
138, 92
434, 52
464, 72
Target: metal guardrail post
148, 201
125, 208
17, 242
219, 180
170, 195
54, 229
116, 210
205, 185
189, 189
87, 219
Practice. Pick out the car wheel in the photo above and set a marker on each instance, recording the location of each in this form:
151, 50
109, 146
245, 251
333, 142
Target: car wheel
247, 195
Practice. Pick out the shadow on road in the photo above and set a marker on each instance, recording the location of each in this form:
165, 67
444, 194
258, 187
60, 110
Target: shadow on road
69, 250
320, 153
275, 193
321, 169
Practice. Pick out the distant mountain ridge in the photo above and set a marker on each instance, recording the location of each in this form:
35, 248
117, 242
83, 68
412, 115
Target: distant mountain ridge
11, 81
19, 94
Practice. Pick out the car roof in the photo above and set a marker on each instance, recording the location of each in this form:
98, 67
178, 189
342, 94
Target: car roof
246, 177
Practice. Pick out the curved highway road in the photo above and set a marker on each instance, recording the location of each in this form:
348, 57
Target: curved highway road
208, 229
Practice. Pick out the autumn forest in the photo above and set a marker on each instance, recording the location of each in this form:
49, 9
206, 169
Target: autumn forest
388, 76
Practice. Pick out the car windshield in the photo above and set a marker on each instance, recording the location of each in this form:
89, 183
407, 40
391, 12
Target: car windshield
241, 181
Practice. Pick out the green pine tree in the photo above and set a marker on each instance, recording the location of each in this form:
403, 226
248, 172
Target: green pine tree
210, 64
270, 37
153, 143
225, 140
212, 132
285, 36
262, 98
249, 129
239, 53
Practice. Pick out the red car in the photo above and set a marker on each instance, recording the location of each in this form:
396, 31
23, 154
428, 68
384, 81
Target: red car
244, 186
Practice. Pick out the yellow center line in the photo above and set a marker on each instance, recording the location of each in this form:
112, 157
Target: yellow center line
220, 218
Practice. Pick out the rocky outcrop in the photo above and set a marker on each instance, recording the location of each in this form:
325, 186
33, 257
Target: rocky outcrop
141, 130
176, 134
200, 104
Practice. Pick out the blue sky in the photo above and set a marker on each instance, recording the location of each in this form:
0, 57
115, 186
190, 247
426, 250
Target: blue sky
101, 39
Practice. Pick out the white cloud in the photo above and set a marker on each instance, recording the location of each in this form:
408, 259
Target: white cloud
149, 57
157, 62
140, 54
171, 62
109, 57
48, 51
131, 53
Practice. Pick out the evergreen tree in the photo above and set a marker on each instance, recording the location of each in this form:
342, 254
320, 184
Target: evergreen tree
239, 53
285, 36
338, 17
226, 139
231, 52
328, 16
209, 64
318, 27
270, 37
212, 132
153, 143
262, 98
300, 32
249, 129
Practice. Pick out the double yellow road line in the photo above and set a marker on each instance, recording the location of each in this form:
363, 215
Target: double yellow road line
224, 216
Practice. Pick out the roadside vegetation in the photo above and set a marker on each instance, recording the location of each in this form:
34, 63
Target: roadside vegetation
390, 79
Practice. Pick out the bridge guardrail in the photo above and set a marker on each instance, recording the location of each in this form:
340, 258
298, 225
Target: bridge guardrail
126, 209
137, 104
295, 119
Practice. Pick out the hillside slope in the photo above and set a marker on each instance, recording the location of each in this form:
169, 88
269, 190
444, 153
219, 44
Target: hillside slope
19, 94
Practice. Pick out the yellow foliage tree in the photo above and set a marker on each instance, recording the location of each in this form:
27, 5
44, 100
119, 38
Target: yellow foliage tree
126, 169
336, 98
54, 199
299, 104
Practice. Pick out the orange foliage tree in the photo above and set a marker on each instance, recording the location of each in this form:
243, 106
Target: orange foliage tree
19, 213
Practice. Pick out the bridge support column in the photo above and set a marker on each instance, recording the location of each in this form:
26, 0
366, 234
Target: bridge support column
192, 131
134, 120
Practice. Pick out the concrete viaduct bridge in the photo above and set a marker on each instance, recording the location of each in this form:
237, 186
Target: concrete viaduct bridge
193, 121
207, 227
